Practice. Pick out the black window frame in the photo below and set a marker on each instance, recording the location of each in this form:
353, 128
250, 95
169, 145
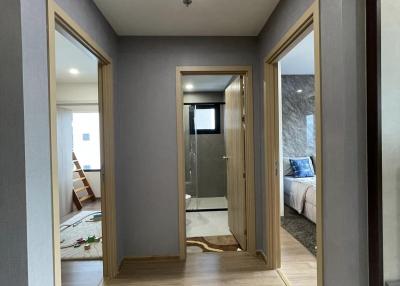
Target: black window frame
216, 107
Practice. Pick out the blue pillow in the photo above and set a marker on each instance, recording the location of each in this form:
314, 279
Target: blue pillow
302, 168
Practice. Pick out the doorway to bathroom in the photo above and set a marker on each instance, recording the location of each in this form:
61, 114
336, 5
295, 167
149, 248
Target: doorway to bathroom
215, 131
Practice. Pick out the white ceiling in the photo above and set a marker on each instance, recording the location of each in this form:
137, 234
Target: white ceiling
72, 55
173, 18
206, 83
300, 60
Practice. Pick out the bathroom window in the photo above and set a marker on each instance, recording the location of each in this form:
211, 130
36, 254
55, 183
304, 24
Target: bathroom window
204, 119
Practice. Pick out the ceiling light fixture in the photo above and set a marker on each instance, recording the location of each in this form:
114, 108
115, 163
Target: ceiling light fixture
299, 91
189, 86
187, 2
74, 71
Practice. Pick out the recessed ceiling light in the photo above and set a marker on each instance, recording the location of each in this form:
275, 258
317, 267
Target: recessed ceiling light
299, 91
74, 71
189, 86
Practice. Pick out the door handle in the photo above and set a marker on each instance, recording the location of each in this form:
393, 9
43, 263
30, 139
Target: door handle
225, 157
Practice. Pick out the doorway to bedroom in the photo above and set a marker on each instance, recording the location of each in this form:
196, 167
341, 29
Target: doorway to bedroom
78, 157
293, 151
298, 154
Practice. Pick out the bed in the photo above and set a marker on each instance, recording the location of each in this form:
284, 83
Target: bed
300, 194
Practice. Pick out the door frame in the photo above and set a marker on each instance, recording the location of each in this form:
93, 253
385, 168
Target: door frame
57, 16
271, 136
245, 71
374, 142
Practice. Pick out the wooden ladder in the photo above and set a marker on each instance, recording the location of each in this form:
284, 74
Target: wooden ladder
84, 192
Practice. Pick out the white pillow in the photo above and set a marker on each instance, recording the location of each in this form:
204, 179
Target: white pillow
287, 168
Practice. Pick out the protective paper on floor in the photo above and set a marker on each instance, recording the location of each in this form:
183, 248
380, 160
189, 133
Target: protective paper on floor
82, 230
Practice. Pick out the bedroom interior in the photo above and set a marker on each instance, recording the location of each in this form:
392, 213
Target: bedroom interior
78, 151
206, 163
298, 149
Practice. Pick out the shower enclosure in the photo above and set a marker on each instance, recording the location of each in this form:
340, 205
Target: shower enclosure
205, 167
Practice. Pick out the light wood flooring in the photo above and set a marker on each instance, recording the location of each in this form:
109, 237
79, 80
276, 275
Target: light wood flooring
82, 273
298, 264
90, 206
209, 269
229, 268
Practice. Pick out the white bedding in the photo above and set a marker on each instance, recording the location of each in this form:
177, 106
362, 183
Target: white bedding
300, 194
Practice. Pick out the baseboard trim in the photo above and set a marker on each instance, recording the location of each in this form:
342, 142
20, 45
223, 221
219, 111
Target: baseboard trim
133, 259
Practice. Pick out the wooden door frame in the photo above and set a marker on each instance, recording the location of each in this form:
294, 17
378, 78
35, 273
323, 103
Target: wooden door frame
271, 140
374, 142
246, 71
57, 16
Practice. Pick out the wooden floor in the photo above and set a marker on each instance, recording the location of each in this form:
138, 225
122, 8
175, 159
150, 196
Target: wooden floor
211, 269
229, 268
90, 206
298, 264
82, 273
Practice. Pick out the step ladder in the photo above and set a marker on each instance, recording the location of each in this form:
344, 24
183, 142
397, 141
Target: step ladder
81, 191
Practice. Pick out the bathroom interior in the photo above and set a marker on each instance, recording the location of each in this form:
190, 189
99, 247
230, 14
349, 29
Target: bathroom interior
207, 227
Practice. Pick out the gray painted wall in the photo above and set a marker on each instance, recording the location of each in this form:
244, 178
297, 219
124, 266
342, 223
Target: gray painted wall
344, 131
344, 144
25, 167
295, 109
146, 137
37, 142
285, 15
25, 197
13, 265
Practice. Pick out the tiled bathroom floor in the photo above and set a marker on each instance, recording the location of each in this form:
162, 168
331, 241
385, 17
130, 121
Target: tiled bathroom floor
207, 203
207, 223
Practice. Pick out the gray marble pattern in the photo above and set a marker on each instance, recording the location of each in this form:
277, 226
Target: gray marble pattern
298, 137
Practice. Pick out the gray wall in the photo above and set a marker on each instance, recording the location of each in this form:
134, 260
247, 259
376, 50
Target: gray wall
285, 15
344, 132
295, 108
25, 197
206, 171
13, 265
146, 134
344, 144
37, 142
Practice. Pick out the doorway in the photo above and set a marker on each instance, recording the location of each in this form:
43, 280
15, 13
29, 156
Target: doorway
293, 154
215, 159
75, 62
78, 154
